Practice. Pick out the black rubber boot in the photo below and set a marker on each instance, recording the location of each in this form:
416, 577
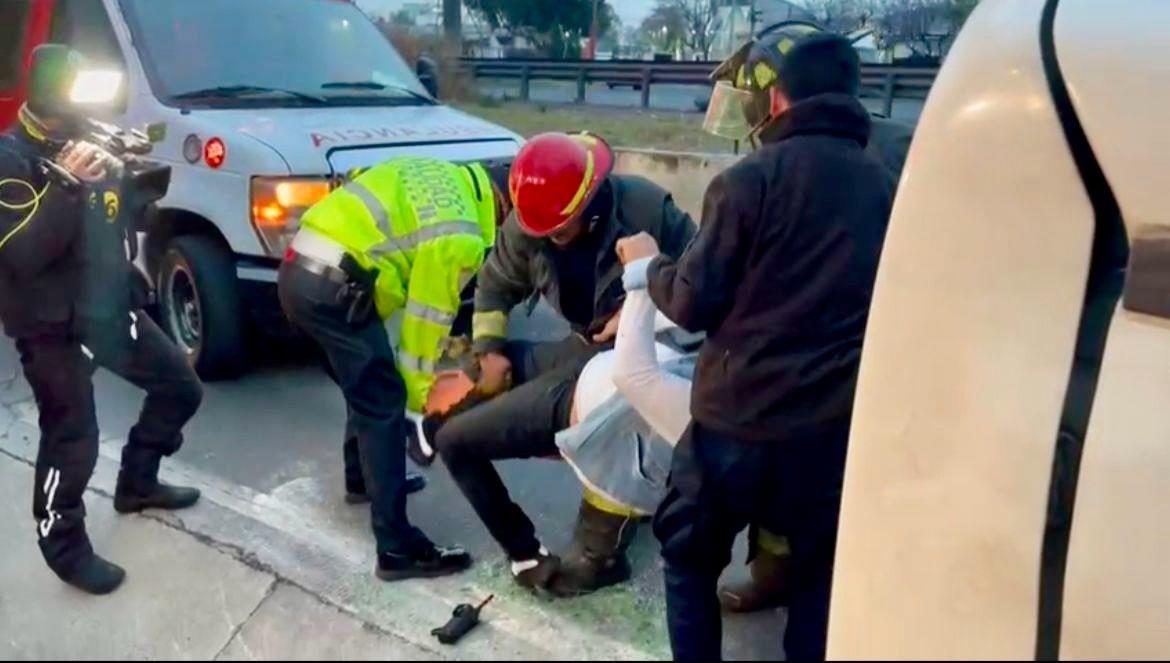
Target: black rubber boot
356, 494
597, 558
94, 575
768, 588
162, 496
139, 489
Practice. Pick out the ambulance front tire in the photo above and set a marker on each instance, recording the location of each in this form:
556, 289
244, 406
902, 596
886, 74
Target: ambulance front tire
199, 305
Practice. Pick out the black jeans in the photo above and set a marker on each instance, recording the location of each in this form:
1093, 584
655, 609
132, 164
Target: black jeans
720, 484
59, 367
519, 424
375, 396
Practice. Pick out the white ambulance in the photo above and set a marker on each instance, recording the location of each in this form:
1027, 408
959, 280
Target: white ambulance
264, 101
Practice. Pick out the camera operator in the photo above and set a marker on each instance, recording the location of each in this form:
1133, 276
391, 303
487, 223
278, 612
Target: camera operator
71, 298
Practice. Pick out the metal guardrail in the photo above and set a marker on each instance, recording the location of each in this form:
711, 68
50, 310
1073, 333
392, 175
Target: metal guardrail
881, 81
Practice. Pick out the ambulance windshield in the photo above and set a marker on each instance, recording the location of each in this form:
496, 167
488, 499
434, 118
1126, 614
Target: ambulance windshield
268, 53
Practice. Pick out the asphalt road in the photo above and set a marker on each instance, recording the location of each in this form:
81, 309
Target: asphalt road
277, 432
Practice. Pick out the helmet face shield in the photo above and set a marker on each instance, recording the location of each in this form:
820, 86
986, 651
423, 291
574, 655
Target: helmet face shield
727, 113
741, 103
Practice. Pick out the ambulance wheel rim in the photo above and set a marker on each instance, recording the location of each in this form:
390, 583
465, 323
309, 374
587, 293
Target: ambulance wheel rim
183, 312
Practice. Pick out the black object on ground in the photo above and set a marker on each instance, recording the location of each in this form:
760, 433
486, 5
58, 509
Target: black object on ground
465, 618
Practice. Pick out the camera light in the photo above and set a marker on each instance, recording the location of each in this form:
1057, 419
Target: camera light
95, 87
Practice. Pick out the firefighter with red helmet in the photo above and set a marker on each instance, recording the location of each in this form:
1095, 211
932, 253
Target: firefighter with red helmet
570, 212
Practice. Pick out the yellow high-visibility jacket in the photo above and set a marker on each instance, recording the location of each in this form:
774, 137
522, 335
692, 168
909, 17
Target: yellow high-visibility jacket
425, 225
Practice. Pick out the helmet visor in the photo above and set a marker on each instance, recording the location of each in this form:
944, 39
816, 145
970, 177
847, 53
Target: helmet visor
726, 113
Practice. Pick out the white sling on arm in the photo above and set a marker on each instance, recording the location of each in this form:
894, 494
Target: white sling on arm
661, 398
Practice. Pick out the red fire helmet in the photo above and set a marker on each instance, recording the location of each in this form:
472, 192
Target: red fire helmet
554, 177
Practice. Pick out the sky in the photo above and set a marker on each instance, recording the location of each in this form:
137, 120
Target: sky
631, 11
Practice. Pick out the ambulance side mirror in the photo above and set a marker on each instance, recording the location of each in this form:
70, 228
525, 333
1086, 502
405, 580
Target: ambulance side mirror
1147, 283
428, 74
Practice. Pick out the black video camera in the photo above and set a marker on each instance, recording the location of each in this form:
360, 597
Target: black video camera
135, 182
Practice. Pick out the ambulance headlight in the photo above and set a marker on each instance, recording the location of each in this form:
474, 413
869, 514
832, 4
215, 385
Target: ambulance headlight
92, 87
278, 203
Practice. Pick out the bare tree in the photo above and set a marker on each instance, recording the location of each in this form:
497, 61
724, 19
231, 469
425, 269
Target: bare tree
842, 16
926, 27
698, 18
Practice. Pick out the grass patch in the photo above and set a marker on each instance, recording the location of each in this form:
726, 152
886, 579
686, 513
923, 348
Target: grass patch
660, 130
625, 613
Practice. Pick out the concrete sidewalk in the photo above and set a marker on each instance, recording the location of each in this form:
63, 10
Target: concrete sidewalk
265, 451
256, 575
184, 597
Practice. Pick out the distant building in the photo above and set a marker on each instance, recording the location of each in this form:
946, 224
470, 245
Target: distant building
425, 17
866, 45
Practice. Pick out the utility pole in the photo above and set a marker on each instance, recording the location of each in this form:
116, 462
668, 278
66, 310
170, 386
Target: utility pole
453, 21
594, 27
732, 42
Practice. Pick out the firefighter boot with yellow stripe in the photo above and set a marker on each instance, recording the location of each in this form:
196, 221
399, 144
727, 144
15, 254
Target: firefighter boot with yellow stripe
771, 579
597, 557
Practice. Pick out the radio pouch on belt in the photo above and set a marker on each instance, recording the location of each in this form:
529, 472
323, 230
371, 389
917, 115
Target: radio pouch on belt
359, 292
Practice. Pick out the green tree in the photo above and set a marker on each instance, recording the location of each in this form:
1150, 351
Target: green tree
611, 37
665, 28
553, 26
402, 18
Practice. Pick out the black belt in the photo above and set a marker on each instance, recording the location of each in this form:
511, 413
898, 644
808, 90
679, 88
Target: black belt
331, 273
356, 294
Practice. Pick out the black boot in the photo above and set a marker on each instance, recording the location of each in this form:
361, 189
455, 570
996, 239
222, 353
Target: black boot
423, 560
597, 558
139, 488
94, 575
356, 493
161, 496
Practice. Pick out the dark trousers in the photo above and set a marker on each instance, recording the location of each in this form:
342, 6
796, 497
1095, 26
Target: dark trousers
519, 424
351, 455
375, 396
59, 367
720, 484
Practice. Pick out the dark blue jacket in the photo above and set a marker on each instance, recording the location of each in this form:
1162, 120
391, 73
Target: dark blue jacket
781, 274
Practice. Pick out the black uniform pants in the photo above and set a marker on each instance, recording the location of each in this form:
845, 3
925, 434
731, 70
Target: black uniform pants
59, 367
720, 484
355, 482
521, 423
375, 396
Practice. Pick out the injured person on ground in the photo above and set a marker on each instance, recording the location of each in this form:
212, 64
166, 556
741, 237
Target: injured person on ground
629, 407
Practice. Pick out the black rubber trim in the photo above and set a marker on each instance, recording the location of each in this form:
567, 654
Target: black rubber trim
1105, 282
418, 143
474, 182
